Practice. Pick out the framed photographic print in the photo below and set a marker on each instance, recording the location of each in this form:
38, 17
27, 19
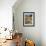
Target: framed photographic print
28, 19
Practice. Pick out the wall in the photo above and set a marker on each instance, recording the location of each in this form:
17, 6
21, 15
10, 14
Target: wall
32, 33
6, 13
43, 22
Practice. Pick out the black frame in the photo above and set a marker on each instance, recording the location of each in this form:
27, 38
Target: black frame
32, 20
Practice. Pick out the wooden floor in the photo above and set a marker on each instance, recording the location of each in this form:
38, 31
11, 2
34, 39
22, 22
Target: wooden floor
9, 43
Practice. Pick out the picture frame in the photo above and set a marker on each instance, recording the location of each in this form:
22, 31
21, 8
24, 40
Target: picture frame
28, 19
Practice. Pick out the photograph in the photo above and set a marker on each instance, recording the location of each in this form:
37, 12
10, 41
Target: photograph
28, 18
